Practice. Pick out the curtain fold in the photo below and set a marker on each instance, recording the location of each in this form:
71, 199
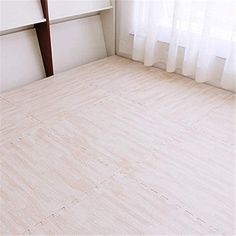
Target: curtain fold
204, 29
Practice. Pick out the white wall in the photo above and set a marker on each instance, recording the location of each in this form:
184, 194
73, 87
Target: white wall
124, 40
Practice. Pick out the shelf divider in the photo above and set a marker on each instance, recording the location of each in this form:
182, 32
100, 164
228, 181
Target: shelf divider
44, 39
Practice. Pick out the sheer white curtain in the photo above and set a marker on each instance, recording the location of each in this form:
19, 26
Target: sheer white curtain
205, 29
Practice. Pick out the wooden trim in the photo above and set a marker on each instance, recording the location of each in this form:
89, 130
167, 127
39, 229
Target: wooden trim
44, 39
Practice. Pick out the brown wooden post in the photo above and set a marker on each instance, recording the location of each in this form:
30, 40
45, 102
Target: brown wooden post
44, 39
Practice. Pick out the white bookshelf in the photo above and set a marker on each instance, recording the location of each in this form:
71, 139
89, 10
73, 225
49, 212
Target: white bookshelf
78, 15
19, 13
69, 36
60, 12
63, 9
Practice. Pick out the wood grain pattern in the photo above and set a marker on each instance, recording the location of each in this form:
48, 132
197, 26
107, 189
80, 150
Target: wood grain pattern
114, 147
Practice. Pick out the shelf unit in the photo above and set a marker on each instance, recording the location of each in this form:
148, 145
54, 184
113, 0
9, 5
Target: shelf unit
43, 19
16, 14
79, 15
20, 27
105, 9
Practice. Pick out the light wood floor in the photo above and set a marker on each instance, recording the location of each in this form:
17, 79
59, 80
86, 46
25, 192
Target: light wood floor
114, 147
